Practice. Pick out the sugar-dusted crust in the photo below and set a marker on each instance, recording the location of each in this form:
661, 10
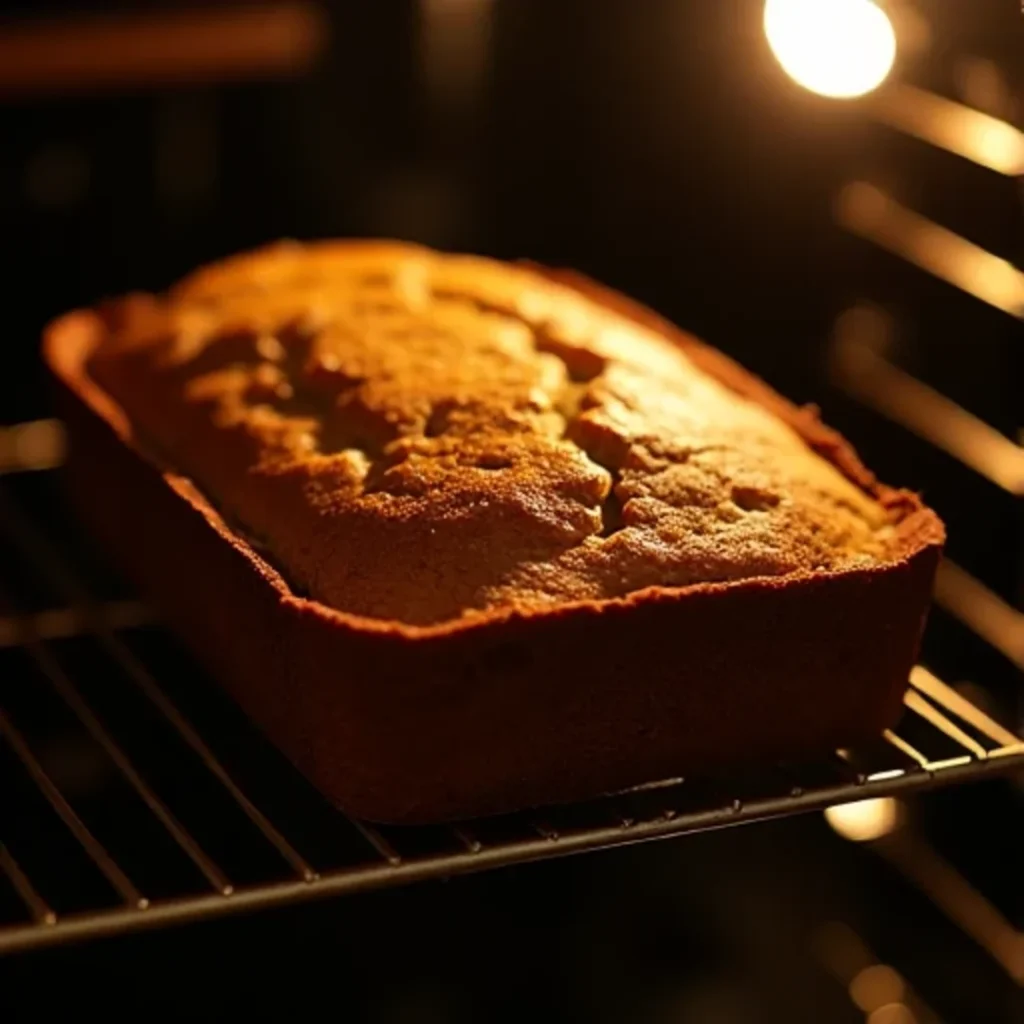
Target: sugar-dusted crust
555, 685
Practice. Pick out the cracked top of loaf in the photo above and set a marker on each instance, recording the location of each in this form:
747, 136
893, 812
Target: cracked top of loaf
418, 437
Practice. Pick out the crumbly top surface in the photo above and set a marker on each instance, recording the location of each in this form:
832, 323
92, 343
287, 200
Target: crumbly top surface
418, 437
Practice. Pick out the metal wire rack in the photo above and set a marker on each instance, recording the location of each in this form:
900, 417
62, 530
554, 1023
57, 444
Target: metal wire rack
134, 794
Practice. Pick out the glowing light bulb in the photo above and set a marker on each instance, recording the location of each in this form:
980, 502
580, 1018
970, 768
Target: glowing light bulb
838, 48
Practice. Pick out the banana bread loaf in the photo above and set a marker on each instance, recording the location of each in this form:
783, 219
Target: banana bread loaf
460, 459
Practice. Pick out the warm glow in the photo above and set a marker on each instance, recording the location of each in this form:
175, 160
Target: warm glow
864, 820
876, 986
969, 133
838, 48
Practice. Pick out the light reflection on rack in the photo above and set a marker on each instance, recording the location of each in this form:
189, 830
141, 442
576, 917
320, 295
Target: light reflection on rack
877, 989
868, 212
883, 824
36, 445
37, 906
63, 623
860, 367
954, 895
983, 611
952, 126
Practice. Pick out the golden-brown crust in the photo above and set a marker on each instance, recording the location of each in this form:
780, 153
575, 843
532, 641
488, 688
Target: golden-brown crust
523, 705
419, 437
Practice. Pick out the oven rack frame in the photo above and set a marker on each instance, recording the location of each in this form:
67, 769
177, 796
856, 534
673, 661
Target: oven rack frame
942, 739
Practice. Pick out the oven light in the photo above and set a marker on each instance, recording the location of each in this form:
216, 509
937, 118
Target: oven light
838, 48
865, 820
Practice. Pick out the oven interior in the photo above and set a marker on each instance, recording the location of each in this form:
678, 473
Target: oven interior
865, 253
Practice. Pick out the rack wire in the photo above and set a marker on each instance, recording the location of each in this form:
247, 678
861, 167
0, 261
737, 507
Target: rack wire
864, 360
133, 794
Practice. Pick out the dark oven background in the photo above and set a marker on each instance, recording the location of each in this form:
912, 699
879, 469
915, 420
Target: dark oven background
658, 147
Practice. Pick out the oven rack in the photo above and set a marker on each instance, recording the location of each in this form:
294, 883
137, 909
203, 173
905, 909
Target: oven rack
133, 794
861, 359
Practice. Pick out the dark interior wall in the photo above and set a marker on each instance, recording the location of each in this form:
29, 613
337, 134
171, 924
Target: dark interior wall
665, 153
657, 147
